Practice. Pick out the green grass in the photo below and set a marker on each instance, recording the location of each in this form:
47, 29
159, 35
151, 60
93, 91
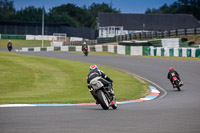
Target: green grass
31, 79
24, 43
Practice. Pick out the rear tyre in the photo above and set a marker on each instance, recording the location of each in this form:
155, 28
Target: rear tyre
177, 86
102, 99
9, 49
85, 53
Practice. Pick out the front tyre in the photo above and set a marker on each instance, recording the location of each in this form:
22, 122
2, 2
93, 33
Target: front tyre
102, 99
114, 106
9, 49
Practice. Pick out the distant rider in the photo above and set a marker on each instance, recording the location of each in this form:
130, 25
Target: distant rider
9, 45
95, 73
172, 73
84, 45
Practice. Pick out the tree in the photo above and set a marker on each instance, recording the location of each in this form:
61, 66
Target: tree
95, 9
7, 10
29, 14
179, 7
69, 14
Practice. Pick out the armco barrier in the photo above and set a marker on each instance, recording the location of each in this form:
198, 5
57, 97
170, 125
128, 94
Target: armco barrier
177, 52
120, 49
8, 36
156, 43
126, 50
169, 42
111, 48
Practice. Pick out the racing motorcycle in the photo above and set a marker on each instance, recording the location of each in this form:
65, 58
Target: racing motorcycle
176, 83
85, 51
104, 98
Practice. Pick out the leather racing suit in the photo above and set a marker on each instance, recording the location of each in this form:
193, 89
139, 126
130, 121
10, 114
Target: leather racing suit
102, 77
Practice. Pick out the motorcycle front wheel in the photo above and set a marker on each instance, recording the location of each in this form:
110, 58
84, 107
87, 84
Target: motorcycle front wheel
114, 106
9, 49
102, 99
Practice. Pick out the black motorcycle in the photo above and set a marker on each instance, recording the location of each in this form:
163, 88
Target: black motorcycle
104, 98
9, 48
85, 51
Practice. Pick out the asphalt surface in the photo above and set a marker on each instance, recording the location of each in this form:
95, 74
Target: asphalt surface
173, 112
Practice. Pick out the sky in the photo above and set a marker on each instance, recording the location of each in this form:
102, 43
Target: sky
125, 6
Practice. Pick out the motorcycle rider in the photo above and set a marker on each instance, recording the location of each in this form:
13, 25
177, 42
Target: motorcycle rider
95, 73
9, 45
84, 45
172, 73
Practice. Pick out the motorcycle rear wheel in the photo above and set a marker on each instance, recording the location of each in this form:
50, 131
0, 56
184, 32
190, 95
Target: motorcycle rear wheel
102, 99
177, 86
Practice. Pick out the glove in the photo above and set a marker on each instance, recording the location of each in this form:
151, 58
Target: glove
90, 88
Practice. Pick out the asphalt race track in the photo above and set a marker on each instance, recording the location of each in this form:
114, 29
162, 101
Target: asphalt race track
172, 112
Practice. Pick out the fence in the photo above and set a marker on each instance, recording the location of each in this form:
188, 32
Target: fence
158, 34
106, 40
89, 42
23, 28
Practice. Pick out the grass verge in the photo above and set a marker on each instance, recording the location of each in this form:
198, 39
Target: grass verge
31, 79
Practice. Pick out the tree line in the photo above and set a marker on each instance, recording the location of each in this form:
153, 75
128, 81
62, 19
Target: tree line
178, 7
75, 16
69, 14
